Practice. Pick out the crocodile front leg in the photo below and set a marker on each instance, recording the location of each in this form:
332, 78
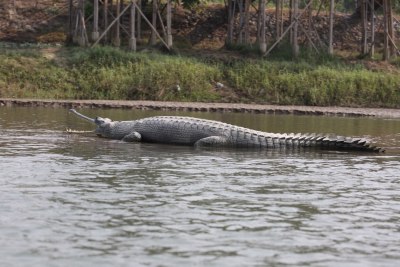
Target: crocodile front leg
132, 137
211, 141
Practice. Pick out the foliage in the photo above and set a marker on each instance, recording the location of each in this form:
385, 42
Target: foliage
190, 3
109, 73
300, 83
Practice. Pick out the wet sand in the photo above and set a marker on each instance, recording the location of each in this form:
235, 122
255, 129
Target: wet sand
205, 107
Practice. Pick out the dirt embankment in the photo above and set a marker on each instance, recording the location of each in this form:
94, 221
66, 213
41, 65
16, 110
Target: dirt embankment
205, 107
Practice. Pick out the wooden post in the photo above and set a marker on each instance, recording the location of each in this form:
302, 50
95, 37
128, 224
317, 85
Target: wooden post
139, 20
169, 24
372, 18
364, 46
278, 18
81, 37
70, 21
241, 21
95, 33
117, 38
295, 44
111, 25
153, 39
132, 40
105, 18
391, 29
246, 22
281, 18
150, 25
84, 32
331, 19
287, 30
231, 9
308, 32
386, 52
291, 20
162, 24
259, 22
262, 39
76, 28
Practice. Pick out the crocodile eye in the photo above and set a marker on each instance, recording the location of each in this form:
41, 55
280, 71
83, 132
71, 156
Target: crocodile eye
99, 120
102, 121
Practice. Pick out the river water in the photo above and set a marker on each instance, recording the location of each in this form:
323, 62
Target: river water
79, 200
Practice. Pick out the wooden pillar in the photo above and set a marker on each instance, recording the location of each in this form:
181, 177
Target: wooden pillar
278, 18
81, 31
132, 40
386, 52
117, 38
287, 29
241, 21
95, 32
246, 21
372, 19
70, 21
231, 16
139, 20
169, 24
262, 39
112, 29
153, 37
281, 17
291, 20
391, 32
364, 46
105, 18
295, 44
310, 26
331, 19
112, 24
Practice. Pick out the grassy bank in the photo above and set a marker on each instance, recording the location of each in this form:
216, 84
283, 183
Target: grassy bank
108, 73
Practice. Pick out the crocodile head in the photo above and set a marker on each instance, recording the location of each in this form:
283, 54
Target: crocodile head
104, 126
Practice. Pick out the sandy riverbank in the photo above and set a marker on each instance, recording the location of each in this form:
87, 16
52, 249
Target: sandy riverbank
205, 107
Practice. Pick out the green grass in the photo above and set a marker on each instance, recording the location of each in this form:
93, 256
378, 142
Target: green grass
106, 73
109, 73
290, 83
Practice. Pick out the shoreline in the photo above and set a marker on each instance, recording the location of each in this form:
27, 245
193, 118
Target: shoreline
205, 107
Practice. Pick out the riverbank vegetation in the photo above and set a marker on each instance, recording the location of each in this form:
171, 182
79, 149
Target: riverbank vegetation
109, 73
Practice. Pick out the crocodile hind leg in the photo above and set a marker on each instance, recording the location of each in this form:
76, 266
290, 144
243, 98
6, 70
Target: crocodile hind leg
211, 141
132, 137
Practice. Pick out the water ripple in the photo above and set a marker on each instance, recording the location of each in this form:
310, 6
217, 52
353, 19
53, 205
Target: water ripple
78, 200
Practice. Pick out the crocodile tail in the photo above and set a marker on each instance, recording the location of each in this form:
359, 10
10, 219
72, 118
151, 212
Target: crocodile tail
340, 143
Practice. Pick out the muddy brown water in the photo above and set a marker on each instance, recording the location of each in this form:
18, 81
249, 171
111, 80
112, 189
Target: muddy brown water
79, 200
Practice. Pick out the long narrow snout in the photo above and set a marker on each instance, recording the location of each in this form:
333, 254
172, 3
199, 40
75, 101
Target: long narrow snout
81, 115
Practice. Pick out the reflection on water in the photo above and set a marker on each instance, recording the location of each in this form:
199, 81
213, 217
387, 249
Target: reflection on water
75, 200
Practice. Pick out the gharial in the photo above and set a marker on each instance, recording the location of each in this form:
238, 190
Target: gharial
200, 132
